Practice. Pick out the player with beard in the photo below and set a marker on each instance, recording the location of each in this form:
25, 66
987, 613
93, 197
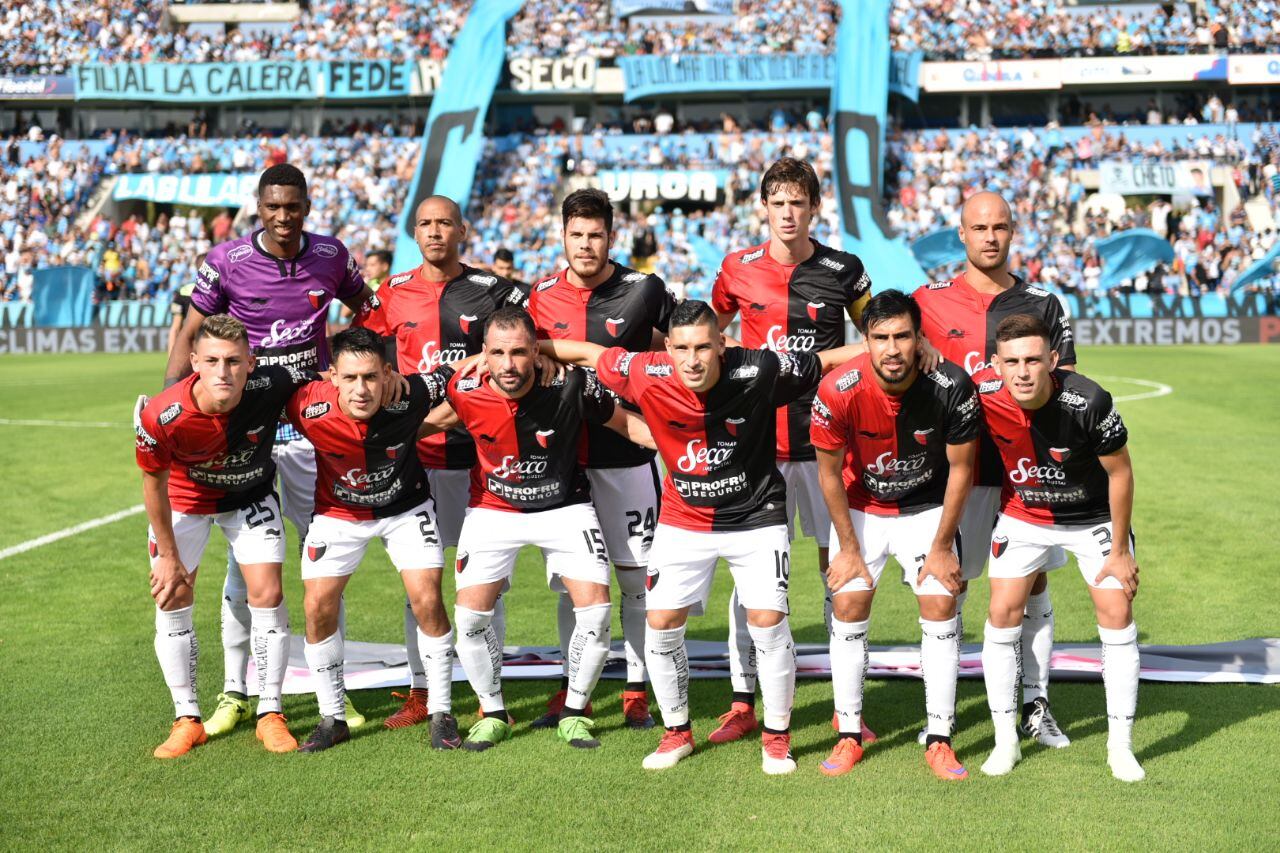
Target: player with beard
434, 315
960, 318
895, 456
711, 411
598, 300
1068, 483
279, 281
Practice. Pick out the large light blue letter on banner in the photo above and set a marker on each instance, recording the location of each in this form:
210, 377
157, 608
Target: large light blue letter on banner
859, 105
452, 141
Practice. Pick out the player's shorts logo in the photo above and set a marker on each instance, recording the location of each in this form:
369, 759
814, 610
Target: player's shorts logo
544, 436
315, 297
461, 563
464, 323
152, 548
651, 580
814, 309
316, 551
1059, 454
998, 544
732, 424
922, 436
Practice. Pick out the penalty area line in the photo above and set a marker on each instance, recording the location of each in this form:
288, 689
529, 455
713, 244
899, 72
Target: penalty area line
30, 544
1158, 389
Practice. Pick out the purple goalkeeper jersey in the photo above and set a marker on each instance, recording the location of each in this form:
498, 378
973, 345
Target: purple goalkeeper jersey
283, 302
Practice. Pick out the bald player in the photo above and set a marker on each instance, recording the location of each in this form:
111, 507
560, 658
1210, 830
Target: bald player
960, 317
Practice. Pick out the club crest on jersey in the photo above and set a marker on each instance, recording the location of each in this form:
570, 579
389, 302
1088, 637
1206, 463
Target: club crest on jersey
613, 324
998, 544
732, 424
399, 279
544, 437
461, 563
465, 321
815, 308
315, 410
170, 414
254, 434
1059, 454
850, 379
990, 386
315, 297
922, 436
316, 551
239, 253
325, 250
393, 452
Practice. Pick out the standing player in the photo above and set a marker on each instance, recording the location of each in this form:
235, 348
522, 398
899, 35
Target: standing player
370, 485
895, 456
204, 446
528, 488
435, 315
1068, 483
711, 411
960, 317
605, 303
279, 282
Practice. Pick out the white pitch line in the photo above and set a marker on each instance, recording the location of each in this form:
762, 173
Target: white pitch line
40, 423
1160, 389
23, 547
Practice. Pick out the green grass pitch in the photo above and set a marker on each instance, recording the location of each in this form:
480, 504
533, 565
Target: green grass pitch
82, 702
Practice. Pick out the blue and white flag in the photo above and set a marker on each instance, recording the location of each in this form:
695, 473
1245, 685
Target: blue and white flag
940, 248
453, 137
1130, 253
859, 107
1263, 268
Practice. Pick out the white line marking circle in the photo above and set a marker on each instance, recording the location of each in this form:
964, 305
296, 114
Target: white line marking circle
30, 544
1159, 389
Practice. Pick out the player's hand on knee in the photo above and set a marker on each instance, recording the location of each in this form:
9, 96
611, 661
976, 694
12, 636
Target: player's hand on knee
550, 370
846, 566
168, 578
942, 564
1122, 567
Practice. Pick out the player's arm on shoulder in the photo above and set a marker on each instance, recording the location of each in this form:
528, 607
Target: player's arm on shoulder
632, 427
363, 303
184, 343
1062, 338
847, 563
440, 419
579, 353
833, 358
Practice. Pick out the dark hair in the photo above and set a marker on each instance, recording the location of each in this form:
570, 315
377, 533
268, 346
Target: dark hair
790, 172
691, 312
1023, 326
382, 255
511, 317
588, 204
283, 175
886, 306
504, 255
357, 341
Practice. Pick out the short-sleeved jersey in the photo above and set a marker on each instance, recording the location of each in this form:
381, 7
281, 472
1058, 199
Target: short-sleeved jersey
435, 323
718, 447
367, 469
216, 462
895, 446
530, 450
1050, 456
283, 302
622, 312
785, 308
961, 323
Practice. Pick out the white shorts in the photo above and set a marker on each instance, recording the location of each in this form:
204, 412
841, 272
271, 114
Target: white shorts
335, 546
569, 537
804, 492
296, 469
682, 564
626, 502
451, 490
977, 520
255, 533
906, 537
1018, 548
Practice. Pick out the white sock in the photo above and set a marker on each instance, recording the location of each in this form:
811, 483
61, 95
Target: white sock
565, 623
668, 660
849, 658
588, 651
1037, 646
960, 600
631, 582
742, 651
499, 622
480, 656
939, 664
436, 660
1121, 667
777, 656
413, 654
270, 632
325, 659
177, 650
1001, 662
236, 629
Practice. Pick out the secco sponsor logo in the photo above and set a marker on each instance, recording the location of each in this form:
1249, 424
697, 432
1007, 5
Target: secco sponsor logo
775, 340
973, 363
696, 453
360, 480
512, 467
1044, 473
432, 357
230, 460
887, 463
282, 335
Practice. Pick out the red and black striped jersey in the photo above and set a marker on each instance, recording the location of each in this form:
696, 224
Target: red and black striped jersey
718, 447
791, 308
961, 323
216, 462
367, 469
435, 323
623, 311
895, 460
1050, 456
530, 450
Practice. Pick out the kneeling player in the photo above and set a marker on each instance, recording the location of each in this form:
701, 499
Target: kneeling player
711, 411
1068, 483
370, 485
204, 446
895, 459
529, 488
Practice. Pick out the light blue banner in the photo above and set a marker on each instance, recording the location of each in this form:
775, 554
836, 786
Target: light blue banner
1263, 268
454, 132
940, 248
904, 74
218, 82
623, 8
1141, 306
64, 296
212, 190
859, 108
1130, 253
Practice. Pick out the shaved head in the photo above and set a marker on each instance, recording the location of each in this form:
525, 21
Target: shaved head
439, 232
985, 205
986, 230
433, 201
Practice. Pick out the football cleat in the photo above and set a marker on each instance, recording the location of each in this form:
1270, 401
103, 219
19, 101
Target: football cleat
1002, 759
635, 710
1124, 765
738, 722
327, 735
444, 731
776, 754
487, 733
674, 747
354, 718
942, 760
555, 705
846, 753
185, 735
576, 731
274, 734
1038, 723
231, 712
411, 713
